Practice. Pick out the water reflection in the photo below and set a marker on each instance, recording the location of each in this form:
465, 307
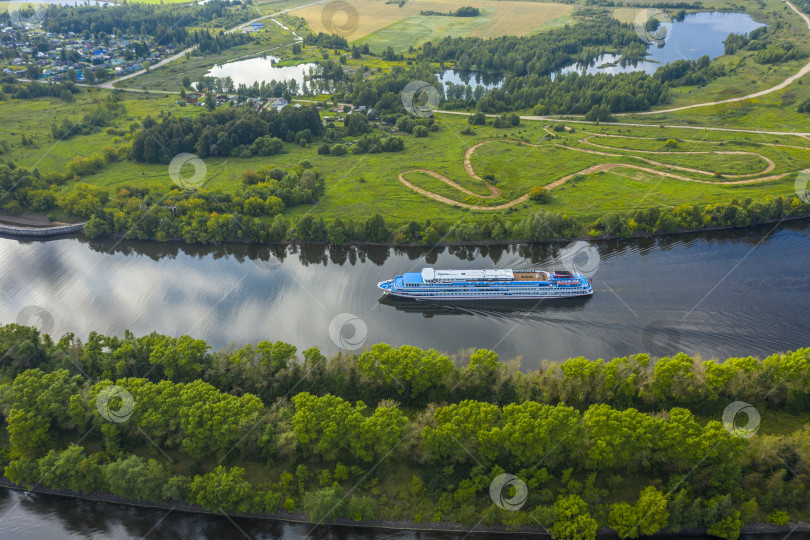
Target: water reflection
258, 70
473, 79
42, 516
719, 292
698, 34
490, 308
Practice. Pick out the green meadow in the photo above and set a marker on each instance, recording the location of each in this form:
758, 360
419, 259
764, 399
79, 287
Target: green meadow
360, 186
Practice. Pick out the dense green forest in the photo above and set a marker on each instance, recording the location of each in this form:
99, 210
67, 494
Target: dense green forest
538, 54
224, 132
166, 24
633, 443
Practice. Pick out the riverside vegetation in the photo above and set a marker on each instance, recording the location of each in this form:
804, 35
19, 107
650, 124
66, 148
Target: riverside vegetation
313, 176
633, 444
292, 194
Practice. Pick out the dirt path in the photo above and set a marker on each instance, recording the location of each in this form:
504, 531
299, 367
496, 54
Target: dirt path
693, 141
770, 164
29, 220
494, 192
801, 73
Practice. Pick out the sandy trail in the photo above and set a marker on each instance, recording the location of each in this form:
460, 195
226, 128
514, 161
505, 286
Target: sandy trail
494, 192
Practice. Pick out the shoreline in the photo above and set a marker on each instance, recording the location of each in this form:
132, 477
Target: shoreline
76, 229
754, 529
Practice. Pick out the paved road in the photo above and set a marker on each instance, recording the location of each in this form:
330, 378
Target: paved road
802, 72
109, 84
804, 134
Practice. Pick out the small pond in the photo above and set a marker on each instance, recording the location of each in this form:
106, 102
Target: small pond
472, 78
260, 69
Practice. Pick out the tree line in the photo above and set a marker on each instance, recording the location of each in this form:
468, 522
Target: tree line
165, 24
224, 132
415, 377
29, 90
201, 216
404, 433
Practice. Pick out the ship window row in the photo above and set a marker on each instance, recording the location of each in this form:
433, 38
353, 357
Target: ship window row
492, 289
479, 284
479, 293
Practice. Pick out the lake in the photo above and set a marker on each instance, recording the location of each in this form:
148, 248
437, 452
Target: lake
718, 294
698, 34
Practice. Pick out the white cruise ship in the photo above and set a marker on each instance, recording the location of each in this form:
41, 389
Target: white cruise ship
431, 284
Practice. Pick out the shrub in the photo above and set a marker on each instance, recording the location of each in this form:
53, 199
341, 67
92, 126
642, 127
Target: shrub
420, 131
478, 119
779, 518
539, 194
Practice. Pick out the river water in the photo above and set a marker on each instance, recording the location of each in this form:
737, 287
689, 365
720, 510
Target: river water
718, 294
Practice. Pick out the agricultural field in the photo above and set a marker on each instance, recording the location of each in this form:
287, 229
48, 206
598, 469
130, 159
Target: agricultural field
387, 24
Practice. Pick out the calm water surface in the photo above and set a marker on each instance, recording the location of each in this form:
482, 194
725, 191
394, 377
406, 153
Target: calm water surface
722, 293
698, 34
719, 294
254, 70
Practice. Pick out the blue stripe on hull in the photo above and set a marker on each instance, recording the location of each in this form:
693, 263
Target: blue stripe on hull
491, 296
412, 286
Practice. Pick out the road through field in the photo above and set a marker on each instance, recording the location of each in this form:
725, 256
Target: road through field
109, 84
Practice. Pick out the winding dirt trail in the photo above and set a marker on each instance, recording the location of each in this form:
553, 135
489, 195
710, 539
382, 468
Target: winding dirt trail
771, 165
494, 192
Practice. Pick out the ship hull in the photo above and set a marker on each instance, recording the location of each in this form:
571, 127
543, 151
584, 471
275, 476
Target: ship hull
494, 291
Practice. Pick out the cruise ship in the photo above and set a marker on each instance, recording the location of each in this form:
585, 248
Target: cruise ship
431, 284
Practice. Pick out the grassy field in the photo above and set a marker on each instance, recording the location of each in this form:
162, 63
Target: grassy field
381, 24
34, 118
774, 112
360, 186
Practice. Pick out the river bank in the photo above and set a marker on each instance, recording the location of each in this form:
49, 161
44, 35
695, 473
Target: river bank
715, 293
763, 531
70, 229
